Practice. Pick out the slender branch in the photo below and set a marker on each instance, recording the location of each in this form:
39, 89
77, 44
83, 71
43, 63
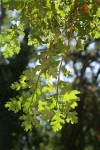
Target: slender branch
58, 72
68, 50
71, 25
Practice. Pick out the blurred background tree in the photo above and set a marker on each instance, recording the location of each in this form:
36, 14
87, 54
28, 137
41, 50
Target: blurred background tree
86, 134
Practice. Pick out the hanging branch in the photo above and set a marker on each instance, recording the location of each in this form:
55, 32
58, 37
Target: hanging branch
68, 50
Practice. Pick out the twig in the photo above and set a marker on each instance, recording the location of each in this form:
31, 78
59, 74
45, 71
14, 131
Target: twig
58, 72
35, 89
71, 25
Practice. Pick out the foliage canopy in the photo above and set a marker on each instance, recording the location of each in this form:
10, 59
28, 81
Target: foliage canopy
62, 26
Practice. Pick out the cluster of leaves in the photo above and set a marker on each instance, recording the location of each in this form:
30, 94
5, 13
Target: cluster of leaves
45, 97
42, 101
